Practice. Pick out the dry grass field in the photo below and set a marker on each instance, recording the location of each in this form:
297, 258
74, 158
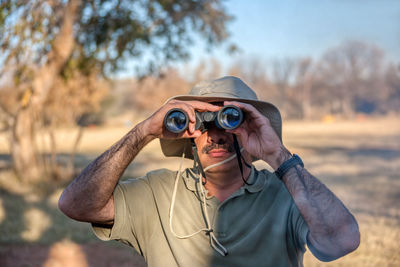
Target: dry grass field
358, 160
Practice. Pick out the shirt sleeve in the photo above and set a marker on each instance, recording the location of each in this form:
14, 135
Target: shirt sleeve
133, 202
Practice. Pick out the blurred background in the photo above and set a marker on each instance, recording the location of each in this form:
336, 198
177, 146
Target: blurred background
75, 76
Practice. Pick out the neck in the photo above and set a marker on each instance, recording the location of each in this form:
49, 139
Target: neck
223, 184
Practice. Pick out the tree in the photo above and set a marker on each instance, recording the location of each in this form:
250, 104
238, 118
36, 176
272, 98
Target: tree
282, 75
392, 79
303, 84
351, 77
49, 44
254, 72
152, 92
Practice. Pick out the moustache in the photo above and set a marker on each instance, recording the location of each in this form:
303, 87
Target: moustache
227, 147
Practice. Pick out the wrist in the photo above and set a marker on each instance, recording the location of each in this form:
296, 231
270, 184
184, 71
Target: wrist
148, 128
287, 165
142, 132
279, 158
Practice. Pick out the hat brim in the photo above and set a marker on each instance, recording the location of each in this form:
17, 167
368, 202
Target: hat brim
175, 147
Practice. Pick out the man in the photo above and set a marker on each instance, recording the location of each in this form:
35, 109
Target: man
221, 212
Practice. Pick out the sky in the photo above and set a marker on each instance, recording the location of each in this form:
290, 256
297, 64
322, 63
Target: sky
299, 28
273, 29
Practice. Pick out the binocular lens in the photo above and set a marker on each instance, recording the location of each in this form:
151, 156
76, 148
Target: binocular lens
176, 121
230, 117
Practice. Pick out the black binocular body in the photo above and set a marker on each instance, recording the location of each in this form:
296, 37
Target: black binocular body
228, 117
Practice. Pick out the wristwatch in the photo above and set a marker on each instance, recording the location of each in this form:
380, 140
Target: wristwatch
288, 164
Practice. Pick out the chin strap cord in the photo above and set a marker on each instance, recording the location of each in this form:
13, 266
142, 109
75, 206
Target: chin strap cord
221, 162
196, 161
240, 157
213, 240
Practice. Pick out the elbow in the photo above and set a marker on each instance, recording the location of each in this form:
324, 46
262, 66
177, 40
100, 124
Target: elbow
79, 210
345, 247
352, 239
346, 241
65, 206
349, 243
348, 238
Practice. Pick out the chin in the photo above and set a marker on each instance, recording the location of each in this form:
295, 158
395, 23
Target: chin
226, 167
219, 169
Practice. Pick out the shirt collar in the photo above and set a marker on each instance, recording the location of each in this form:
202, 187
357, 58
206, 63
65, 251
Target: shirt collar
255, 182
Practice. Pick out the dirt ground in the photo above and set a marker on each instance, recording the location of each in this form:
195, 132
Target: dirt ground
358, 160
67, 253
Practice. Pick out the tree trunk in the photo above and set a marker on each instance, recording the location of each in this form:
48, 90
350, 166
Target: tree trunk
53, 164
71, 161
24, 155
306, 103
23, 147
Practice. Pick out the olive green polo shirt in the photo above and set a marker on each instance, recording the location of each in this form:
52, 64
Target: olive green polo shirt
259, 224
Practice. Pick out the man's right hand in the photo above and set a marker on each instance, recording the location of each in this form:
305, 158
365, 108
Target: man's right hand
89, 197
154, 125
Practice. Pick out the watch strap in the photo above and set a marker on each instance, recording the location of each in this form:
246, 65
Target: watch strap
288, 164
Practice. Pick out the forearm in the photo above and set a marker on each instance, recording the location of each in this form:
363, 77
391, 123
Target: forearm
92, 189
333, 229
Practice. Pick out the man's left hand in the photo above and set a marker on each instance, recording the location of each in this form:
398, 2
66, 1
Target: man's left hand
258, 137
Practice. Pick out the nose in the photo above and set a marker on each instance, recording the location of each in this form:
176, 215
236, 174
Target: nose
217, 136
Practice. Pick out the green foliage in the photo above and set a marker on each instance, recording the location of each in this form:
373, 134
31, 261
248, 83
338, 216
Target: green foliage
108, 32
111, 31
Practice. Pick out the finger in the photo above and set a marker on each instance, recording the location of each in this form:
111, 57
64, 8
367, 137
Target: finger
251, 112
238, 131
246, 107
190, 106
203, 106
183, 105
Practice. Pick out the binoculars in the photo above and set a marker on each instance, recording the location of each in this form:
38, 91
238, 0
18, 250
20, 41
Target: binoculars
228, 117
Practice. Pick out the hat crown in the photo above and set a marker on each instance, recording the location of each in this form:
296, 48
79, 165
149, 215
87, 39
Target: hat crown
225, 87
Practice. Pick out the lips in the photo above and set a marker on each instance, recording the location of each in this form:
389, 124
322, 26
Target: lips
218, 148
218, 153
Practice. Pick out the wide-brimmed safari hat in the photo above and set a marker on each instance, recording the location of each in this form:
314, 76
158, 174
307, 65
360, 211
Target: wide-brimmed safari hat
226, 88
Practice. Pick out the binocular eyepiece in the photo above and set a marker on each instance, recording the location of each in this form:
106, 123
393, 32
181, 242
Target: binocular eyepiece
228, 117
